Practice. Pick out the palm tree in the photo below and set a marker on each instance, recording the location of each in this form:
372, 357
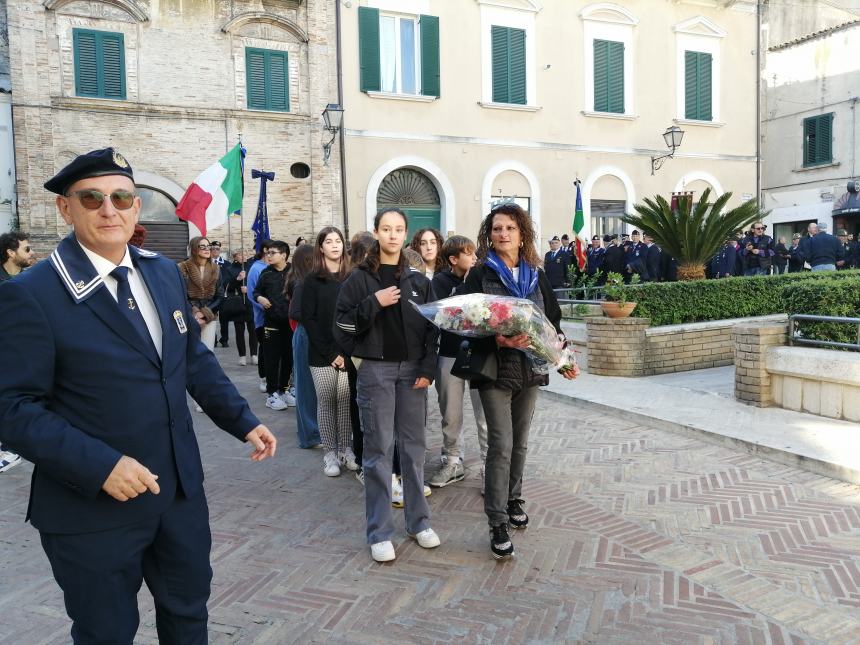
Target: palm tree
692, 235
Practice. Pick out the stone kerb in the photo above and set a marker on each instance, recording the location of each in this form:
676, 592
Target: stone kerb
753, 383
616, 346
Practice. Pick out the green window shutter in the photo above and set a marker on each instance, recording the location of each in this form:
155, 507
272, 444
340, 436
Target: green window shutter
255, 73
518, 67
99, 63
705, 89
500, 48
86, 63
368, 49
818, 140
267, 74
698, 87
616, 77
277, 81
509, 65
430, 82
608, 76
113, 65
824, 140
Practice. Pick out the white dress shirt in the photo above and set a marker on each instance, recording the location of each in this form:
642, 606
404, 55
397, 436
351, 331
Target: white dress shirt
138, 289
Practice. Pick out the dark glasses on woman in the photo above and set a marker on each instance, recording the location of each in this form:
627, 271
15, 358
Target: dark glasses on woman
93, 199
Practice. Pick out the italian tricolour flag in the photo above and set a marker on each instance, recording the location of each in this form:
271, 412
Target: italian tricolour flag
578, 225
215, 194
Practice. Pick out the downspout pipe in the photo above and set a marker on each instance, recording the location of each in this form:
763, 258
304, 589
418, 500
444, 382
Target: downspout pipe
341, 134
758, 87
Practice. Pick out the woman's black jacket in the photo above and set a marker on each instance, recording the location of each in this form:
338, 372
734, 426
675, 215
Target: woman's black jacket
357, 307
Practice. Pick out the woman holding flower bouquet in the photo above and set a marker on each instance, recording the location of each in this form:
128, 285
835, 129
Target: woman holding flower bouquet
376, 323
509, 265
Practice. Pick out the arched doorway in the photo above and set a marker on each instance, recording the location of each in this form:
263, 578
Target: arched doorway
165, 233
608, 205
511, 185
415, 194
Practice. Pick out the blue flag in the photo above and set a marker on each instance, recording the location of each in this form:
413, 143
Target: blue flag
261, 220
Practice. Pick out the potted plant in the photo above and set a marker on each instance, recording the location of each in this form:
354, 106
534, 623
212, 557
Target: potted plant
615, 292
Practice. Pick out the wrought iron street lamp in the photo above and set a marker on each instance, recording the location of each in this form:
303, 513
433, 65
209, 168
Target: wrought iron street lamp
673, 137
333, 117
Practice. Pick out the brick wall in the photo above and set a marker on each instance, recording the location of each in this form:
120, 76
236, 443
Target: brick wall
683, 350
751, 341
615, 346
185, 107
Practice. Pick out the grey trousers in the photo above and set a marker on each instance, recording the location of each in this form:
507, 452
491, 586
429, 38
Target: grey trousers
391, 410
509, 417
450, 390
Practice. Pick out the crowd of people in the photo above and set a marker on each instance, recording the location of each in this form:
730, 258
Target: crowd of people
747, 253
333, 336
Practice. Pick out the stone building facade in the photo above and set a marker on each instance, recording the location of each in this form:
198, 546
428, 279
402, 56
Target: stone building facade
180, 104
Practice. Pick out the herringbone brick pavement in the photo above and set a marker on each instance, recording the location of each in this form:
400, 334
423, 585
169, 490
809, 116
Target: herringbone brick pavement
637, 536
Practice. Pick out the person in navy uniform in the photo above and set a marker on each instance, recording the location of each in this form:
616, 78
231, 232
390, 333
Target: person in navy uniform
556, 263
594, 256
106, 348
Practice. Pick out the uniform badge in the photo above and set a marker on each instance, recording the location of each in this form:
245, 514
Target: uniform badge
180, 322
79, 284
131, 304
119, 160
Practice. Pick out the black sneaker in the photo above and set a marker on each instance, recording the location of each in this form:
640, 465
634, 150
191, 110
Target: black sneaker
516, 514
500, 542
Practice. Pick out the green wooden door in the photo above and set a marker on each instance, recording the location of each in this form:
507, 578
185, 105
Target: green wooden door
422, 218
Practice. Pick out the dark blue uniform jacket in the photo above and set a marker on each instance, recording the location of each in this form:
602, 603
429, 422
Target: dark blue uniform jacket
78, 391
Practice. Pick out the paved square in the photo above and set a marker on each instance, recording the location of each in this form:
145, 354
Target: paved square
637, 536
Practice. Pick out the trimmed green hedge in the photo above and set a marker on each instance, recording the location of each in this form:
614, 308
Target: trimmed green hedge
671, 303
832, 297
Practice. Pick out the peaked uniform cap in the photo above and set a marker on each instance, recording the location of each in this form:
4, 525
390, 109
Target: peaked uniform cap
96, 163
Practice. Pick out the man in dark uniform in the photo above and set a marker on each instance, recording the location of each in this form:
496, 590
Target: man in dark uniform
651, 254
757, 250
795, 257
594, 257
555, 263
847, 261
613, 261
110, 348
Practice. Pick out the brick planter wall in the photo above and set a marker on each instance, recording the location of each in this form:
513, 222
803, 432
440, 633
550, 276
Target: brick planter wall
616, 346
751, 341
680, 348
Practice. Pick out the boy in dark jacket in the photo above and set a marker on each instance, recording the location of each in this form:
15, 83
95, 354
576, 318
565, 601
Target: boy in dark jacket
458, 253
278, 346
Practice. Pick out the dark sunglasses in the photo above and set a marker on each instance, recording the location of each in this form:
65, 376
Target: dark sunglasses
204, 247
93, 199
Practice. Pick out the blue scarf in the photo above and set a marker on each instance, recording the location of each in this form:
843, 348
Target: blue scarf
527, 279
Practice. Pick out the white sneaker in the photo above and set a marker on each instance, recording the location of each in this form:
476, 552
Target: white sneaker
382, 551
243, 361
348, 460
331, 465
289, 399
263, 385
254, 360
8, 460
427, 491
427, 539
275, 402
396, 492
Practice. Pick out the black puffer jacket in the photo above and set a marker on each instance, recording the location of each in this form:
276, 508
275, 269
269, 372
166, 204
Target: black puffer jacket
357, 306
515, 371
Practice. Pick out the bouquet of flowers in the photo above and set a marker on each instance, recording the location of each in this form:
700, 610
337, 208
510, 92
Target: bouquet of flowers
478, 314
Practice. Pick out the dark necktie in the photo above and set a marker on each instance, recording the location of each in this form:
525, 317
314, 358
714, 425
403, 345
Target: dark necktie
128, 306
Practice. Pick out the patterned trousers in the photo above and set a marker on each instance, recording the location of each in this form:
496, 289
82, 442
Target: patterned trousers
333, 414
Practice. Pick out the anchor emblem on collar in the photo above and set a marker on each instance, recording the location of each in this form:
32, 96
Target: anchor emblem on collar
131, 304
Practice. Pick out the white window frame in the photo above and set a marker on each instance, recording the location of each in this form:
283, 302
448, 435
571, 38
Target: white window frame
398, 57
517, 19
699, 35
607, 21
